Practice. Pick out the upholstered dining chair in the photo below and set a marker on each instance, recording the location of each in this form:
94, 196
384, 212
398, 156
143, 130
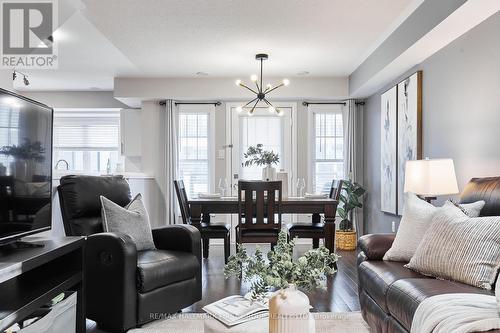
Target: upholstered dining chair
207, 230
259, 203
315, 229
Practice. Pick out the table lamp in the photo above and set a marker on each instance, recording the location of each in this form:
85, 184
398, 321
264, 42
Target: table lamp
431, 178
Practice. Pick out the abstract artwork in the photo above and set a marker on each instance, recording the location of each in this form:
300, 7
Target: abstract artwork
409, 132
388, 151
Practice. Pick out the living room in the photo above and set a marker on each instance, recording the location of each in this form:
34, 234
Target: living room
357, 137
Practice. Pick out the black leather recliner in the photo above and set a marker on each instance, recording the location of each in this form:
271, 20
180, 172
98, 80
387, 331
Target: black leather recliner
125, 288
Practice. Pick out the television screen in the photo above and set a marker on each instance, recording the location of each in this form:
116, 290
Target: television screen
25, 166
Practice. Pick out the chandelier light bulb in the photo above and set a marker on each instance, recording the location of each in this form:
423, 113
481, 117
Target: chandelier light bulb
250, 113
239, 109
286, 82
269, 86
237, 82
280, 113
254, 77
271, 109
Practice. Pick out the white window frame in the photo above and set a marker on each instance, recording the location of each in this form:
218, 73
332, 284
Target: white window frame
202, 109
312, 110
86, 153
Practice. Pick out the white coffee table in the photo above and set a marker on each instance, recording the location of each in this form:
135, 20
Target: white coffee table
325, 322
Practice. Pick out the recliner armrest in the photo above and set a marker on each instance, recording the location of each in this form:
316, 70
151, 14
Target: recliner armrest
110, 280
374, 246
178, 237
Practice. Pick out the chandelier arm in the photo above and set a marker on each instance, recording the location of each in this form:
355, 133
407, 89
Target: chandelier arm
253, 108
259, 89
267, 102
245, 86
253, 100
278, 86
267, 90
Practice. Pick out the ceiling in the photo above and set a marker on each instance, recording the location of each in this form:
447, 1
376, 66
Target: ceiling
100, 40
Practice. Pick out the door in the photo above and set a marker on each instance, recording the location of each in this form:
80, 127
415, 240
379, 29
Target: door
274, 131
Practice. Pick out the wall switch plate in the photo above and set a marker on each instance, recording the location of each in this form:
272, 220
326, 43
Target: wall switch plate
221, 154
393, 226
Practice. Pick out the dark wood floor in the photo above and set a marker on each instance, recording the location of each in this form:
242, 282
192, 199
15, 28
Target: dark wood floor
340, 295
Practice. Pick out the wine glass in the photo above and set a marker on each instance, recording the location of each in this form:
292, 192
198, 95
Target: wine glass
223, 186
301, 185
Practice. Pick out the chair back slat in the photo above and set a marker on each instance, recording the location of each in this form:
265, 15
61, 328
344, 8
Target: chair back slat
258, 204
336, 189
183, 201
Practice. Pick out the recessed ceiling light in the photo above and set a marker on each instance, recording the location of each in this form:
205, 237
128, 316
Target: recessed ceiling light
303, 73
201, 73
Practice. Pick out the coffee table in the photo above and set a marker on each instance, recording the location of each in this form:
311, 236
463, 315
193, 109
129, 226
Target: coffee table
325, 322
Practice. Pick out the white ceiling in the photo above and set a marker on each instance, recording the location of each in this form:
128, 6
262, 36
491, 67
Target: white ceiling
101, 40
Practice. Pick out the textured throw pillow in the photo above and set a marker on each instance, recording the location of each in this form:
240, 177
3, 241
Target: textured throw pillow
460, 248
416, 219
417, 216
132, 220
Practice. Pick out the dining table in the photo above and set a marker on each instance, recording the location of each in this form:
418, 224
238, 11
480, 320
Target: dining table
201, 208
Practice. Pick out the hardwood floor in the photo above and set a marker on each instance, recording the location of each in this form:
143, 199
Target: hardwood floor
340, 295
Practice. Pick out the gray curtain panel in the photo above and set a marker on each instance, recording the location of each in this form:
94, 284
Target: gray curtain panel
171, 161
353, 151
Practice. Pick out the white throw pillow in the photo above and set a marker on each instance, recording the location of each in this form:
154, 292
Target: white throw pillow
417, 218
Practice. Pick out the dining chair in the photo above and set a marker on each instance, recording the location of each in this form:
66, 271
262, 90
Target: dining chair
259, 204
207, 230
315, 229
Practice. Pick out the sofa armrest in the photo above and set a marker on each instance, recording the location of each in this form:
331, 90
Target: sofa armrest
178, 237
110, 280
374, 246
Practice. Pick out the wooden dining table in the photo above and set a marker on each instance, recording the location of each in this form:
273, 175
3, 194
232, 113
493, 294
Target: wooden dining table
201, 208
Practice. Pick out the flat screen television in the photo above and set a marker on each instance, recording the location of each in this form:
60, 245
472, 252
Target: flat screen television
25, 167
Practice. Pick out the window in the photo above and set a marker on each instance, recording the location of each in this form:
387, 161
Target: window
327, 146
9, 134
86, 139
194, 143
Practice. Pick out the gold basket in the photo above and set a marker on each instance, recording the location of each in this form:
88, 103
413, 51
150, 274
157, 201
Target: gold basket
346, 240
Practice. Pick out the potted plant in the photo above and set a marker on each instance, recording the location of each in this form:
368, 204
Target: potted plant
256, 155
25, 155
284, 274
350, 196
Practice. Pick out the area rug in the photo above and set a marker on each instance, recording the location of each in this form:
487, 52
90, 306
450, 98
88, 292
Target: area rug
326, 322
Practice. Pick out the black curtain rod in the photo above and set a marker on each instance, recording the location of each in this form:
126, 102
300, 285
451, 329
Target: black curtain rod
329, 103
217, 103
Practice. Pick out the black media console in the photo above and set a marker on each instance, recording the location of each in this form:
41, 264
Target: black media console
31, 276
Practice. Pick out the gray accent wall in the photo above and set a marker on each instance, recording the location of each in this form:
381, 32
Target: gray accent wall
461, 115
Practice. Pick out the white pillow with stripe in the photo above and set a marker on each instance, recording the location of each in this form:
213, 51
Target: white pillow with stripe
417, 218
460, 248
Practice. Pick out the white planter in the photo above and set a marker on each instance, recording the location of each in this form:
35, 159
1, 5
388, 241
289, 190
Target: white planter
269, 173
289, 312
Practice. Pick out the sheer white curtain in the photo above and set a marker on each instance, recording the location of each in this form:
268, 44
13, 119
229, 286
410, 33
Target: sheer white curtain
353, 151
171, 160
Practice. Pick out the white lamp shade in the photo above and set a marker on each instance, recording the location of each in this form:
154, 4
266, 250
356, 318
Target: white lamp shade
431, 178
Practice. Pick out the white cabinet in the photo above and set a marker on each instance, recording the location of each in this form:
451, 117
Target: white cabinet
131, 132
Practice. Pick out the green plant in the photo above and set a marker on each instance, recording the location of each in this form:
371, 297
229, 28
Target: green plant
27, 151
256, 155
350, 196
280, 270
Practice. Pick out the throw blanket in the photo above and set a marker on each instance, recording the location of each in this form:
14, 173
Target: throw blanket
457, 313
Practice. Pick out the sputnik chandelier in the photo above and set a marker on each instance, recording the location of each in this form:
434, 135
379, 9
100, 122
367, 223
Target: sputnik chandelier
260, 92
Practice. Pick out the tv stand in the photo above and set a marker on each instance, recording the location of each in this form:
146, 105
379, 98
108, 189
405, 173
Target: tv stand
18, 244
33, 276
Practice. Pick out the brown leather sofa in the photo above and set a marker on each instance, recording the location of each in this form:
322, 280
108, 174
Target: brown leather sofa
389, 293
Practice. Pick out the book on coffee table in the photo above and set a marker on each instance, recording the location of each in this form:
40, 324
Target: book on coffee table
234, 310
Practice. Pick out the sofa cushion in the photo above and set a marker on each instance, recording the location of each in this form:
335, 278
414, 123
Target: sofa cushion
404, 296
158, 268
376, 277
